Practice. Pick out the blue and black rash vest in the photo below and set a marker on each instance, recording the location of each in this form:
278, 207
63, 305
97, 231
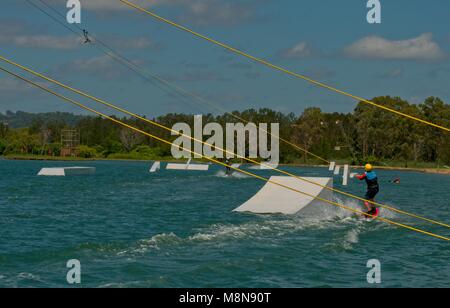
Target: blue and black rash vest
371, 179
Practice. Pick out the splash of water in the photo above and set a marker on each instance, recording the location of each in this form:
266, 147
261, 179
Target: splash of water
235, 174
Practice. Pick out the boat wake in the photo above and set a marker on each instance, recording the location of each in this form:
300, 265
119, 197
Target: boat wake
346, 224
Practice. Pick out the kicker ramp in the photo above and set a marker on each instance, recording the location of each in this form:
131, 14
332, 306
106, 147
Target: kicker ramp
190, 167
267, 166
272, 198
66, 171
155, 167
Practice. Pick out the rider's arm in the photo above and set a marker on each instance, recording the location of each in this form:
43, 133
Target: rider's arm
361, 176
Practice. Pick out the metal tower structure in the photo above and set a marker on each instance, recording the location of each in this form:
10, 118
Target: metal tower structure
70, 141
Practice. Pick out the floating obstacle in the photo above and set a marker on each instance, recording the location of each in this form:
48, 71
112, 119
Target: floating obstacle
187, 166
67, 171
267, 166
155, 167
272, 198
337, 170
332, 166
192, 167
345, 175
264, 166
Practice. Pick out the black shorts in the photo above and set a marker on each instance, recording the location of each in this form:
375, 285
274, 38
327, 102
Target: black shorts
371, 193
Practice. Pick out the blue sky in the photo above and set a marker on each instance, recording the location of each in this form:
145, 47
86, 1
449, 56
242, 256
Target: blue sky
406, 55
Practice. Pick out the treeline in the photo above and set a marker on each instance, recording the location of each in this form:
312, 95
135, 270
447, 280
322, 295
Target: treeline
21, 119
366, 134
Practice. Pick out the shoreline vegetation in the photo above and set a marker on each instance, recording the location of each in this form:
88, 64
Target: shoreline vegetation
425, 168
366, 135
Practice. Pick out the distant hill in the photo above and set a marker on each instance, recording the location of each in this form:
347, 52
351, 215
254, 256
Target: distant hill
22, 119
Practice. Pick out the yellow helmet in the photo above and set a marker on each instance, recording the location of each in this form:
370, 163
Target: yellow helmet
368, 167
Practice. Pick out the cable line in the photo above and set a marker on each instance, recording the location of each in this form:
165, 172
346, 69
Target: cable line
145, 75
97, 43
281, 69
205, 143
222, 163
52, 17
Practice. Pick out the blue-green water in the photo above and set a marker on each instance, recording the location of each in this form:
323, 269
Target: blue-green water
130, 228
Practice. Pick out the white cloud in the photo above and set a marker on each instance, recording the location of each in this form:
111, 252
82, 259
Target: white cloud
199, 12
114, 5
12, 33
103, 66
215, 12
130, 43
92, 64
300, 50
14, 84
373, 47
69, 42
46, 41
14, 88
10, 84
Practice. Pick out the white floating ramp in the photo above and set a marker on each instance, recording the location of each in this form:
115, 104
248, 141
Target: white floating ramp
268, 166
155, 167
337, 170
187, 166
67, 171
345, 175
272, 198
332, 166
191, 167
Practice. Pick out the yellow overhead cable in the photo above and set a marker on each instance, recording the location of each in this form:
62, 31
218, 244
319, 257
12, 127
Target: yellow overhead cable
223, 150
279, 68
199, 98
219, 162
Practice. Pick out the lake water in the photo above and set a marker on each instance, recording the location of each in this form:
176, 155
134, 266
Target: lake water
130, 228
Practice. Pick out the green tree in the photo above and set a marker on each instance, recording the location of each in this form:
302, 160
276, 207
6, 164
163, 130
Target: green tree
86, 152
20, 141
366, 134
435, 140
3, 146
130, 138
3, 130
308, 130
